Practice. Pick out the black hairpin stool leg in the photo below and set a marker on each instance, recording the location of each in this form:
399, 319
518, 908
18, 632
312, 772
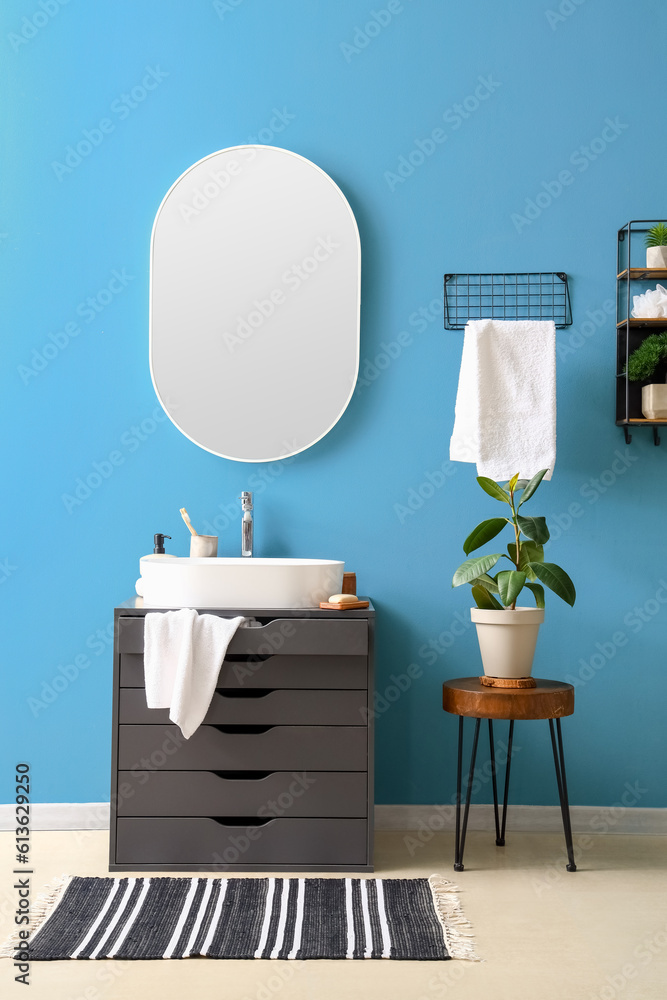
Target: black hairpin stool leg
501, 842
494, 785
559, 763
500, 830
461, 830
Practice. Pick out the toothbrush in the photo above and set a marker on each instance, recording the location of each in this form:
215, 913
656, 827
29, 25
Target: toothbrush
184, 515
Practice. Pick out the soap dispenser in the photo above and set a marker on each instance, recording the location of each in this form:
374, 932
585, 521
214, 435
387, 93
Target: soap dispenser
158, 550
158, 543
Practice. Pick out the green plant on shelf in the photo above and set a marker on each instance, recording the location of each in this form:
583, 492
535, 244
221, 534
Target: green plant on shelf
657, 236
643, 362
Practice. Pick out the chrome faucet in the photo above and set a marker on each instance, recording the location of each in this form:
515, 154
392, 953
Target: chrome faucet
246, 524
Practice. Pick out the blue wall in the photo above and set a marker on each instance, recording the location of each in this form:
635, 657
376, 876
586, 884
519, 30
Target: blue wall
76, 384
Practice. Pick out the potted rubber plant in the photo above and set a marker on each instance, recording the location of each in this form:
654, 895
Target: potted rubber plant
507, 632
641, 367
656, 246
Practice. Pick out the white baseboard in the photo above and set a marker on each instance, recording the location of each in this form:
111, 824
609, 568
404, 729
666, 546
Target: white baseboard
528, 819
60, 816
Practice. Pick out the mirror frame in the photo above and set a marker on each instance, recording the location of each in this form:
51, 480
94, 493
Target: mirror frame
179, 179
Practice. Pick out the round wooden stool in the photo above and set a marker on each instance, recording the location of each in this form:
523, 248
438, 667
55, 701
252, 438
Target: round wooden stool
468, 697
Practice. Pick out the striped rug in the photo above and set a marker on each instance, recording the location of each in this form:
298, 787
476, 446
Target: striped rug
283, 918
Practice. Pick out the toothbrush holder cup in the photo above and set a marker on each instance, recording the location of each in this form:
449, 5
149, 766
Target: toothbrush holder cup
203, 545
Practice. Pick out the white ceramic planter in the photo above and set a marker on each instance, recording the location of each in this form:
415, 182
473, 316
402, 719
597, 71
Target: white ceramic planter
507, 640
654, 401
656, 256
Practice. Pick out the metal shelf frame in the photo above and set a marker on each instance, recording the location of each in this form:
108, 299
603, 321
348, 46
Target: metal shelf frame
536, 295
628, 328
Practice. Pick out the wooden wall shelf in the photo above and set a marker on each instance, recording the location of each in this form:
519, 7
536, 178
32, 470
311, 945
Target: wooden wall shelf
644, 273
644, 321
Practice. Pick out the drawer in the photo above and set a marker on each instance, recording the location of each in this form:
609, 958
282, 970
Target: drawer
280, 637
345, 672
278, 748
281, 793
258, 707
207, 842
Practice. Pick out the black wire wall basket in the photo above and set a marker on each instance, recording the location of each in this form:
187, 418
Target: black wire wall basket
538, 295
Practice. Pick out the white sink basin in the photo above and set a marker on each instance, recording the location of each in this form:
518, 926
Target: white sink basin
175, 582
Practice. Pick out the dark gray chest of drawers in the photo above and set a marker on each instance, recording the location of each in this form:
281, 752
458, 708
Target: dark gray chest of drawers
279, 776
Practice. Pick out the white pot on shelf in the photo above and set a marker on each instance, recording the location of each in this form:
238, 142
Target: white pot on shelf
507, 640
656, 257
654, 401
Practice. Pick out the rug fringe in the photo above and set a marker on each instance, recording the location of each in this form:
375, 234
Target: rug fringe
40, 910
456, 928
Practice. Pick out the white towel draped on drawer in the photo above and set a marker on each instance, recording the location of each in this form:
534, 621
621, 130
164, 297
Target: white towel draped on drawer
183, 654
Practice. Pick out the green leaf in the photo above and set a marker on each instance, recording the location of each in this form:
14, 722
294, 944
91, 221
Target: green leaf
493, 489
556, 579
538, 591
532, 551
534, 528
510, 585
483, 533
529, 552
486, 581
511, 486
532, 486
485, 600
656, 236
472, 568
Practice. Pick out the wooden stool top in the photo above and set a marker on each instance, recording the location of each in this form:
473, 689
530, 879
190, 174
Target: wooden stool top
468, 696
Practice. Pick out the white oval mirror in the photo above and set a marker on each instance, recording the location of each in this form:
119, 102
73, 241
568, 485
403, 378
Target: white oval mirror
254, 327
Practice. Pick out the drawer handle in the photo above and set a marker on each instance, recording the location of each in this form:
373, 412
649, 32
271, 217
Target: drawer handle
248, 657
250, 693
236, 730
243, 775
241, 820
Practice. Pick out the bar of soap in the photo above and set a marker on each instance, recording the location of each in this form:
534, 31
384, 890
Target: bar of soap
343, 599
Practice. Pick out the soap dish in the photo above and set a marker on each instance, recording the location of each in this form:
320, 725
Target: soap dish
349, 606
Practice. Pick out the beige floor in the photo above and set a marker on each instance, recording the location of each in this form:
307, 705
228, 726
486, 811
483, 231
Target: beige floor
543, 933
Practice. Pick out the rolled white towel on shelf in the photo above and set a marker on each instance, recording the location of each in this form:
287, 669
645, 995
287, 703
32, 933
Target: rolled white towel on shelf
505, 418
